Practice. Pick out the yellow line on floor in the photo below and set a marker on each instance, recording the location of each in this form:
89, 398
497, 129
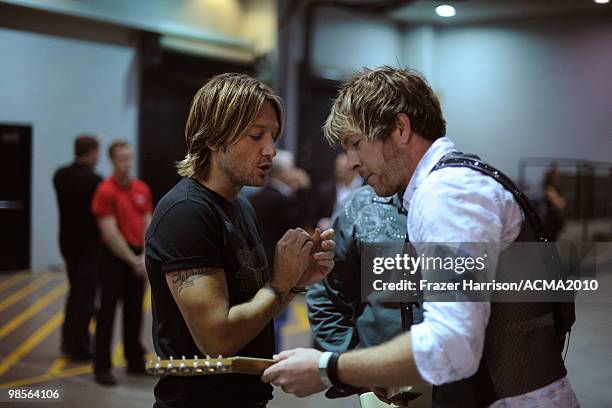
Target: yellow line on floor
300, 311
71, 372
41, 303
27, 381
76, 371
85, 369
13, 280
25, 291
146, 301
57, 366
31, 342
118, 356
56, 370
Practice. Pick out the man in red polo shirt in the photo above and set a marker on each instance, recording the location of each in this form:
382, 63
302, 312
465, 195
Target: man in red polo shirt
122, 206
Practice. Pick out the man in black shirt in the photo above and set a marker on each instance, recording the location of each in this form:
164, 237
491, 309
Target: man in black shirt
79, 239
213, 293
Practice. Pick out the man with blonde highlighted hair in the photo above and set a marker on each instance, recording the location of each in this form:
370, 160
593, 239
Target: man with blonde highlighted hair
476, 354
213, 293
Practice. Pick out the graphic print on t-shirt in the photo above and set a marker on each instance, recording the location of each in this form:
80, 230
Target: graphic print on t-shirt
251, 256
251, 273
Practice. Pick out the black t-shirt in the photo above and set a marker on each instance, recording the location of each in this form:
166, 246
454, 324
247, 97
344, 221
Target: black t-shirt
276, 213
79, 234
194, 227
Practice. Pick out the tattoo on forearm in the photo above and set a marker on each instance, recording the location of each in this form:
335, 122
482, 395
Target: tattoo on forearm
188, 276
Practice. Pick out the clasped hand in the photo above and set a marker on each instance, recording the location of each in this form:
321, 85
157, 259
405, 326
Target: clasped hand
302, 259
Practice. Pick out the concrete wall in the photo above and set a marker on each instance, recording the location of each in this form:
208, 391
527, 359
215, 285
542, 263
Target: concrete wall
345, 41
521, 88
528, 89
63, 86
419, 50
64, 76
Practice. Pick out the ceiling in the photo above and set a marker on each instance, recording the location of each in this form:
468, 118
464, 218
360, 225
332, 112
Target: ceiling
470, 11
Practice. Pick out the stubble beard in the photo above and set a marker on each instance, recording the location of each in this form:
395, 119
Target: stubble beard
391, 177
235, 174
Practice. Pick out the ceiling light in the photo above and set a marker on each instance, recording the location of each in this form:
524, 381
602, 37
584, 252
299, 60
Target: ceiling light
602, 1
446, 11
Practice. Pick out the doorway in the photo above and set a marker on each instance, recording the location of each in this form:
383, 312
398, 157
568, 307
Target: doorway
15, 187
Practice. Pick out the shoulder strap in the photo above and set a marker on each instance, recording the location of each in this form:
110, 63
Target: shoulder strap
460, 159
564, 312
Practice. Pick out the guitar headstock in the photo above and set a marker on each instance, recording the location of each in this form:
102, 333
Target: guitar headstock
207, 365
187, 367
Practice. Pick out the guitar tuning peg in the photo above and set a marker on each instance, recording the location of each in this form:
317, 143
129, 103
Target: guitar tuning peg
183, 358
158, 359
170, 366
195, 357
207, 357
219, 356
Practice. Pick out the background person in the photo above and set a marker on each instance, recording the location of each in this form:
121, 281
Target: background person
79, 239
279, 209
332, 192
122, 205
554, 203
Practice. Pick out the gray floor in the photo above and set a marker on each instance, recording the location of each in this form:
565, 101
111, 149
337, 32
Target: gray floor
30, 315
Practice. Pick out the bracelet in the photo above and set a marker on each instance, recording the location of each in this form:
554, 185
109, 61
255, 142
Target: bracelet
298, 289
332, 370
323, 364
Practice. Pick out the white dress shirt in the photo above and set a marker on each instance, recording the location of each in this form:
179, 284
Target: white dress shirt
458, 204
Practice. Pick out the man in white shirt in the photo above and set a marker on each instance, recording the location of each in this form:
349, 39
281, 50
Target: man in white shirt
391, 125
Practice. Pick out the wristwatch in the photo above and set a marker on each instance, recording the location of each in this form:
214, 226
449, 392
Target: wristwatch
323, 361
298, 289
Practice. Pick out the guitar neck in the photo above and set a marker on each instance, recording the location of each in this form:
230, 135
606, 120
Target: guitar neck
249, 365
207, 366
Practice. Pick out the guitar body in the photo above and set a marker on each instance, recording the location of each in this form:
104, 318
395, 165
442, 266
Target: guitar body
415, 396
370, 400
